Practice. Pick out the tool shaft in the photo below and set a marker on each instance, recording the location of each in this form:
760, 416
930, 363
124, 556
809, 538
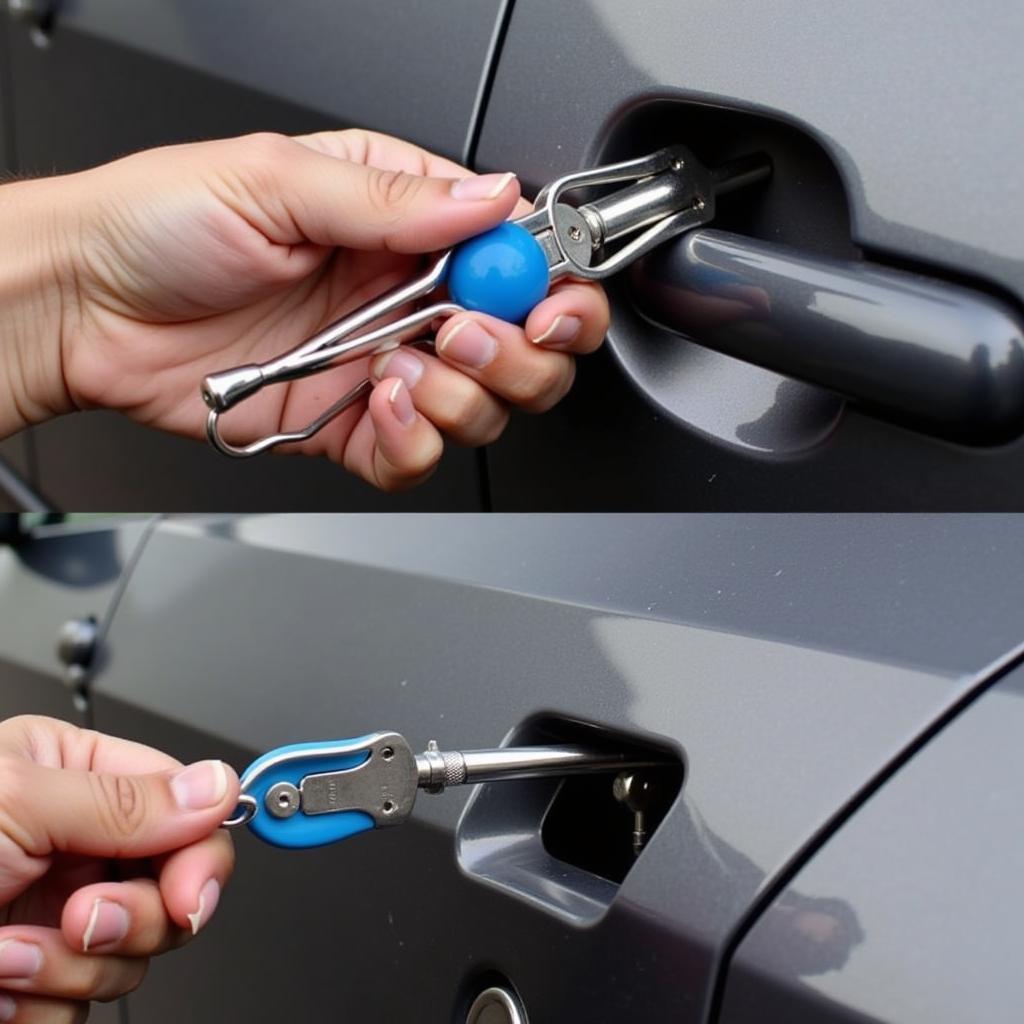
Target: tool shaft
438, 769
631, 209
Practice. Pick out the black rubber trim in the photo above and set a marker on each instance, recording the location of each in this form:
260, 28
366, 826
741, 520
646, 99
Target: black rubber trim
487, 86
469, 158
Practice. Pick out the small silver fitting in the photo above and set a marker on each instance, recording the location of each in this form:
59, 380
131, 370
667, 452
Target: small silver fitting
222, 390
283, 800
440, 768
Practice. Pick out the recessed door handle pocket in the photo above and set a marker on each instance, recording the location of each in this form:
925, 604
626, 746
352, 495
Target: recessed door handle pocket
938, 357
567, 844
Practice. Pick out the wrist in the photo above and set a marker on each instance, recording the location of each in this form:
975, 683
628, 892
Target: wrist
36, 283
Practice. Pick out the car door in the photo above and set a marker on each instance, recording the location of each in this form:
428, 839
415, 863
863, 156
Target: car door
55, 576
776, 665
907, 912
103, 78
889, 133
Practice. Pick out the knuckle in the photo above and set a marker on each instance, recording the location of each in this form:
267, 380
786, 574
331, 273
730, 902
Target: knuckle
355, 143
135, 977
416, 470
393, 485
349, 461
95, 979
462, 408
432, 454
87, 981
479, 421
20, 722
495, 428
483, 431
265, 146
14, 773
261, 157
120, 803
71, 1013
390, 191
536, 389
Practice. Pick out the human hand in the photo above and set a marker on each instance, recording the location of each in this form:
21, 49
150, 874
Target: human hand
110, 853
190, 259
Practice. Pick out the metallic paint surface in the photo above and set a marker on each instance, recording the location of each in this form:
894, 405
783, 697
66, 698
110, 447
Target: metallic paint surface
363, 62
44, 583
785, 691
930, 867
870, 82
912, 107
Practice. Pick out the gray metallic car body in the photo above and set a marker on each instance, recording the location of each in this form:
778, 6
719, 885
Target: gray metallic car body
889, 133
807, 670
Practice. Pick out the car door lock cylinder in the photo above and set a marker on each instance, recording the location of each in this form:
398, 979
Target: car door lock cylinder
312, 794
504, 272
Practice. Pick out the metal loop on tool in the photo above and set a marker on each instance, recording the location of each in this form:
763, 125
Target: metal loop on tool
213, 434
245, 811
338, 343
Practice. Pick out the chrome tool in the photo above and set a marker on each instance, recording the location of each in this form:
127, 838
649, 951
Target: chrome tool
504, 272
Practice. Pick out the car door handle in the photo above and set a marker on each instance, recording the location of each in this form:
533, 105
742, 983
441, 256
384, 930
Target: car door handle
935, 356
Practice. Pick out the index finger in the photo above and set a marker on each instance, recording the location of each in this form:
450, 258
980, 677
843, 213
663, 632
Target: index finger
385, 151
374, 149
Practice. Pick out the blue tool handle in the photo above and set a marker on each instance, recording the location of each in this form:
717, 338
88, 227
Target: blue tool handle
290, 764
502, 272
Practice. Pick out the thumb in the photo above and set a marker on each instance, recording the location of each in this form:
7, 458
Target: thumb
104, 814
311, 196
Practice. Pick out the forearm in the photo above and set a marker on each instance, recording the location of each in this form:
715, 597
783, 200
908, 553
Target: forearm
35, 283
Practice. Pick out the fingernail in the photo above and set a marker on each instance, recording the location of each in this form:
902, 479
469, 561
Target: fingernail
200, 785
482, 186
402, 405
108, 922
8, 1007
563, 329
467, 342
208, 897
399, 363
19, 959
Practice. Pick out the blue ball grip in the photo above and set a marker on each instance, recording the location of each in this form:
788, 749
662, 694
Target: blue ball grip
502, 272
